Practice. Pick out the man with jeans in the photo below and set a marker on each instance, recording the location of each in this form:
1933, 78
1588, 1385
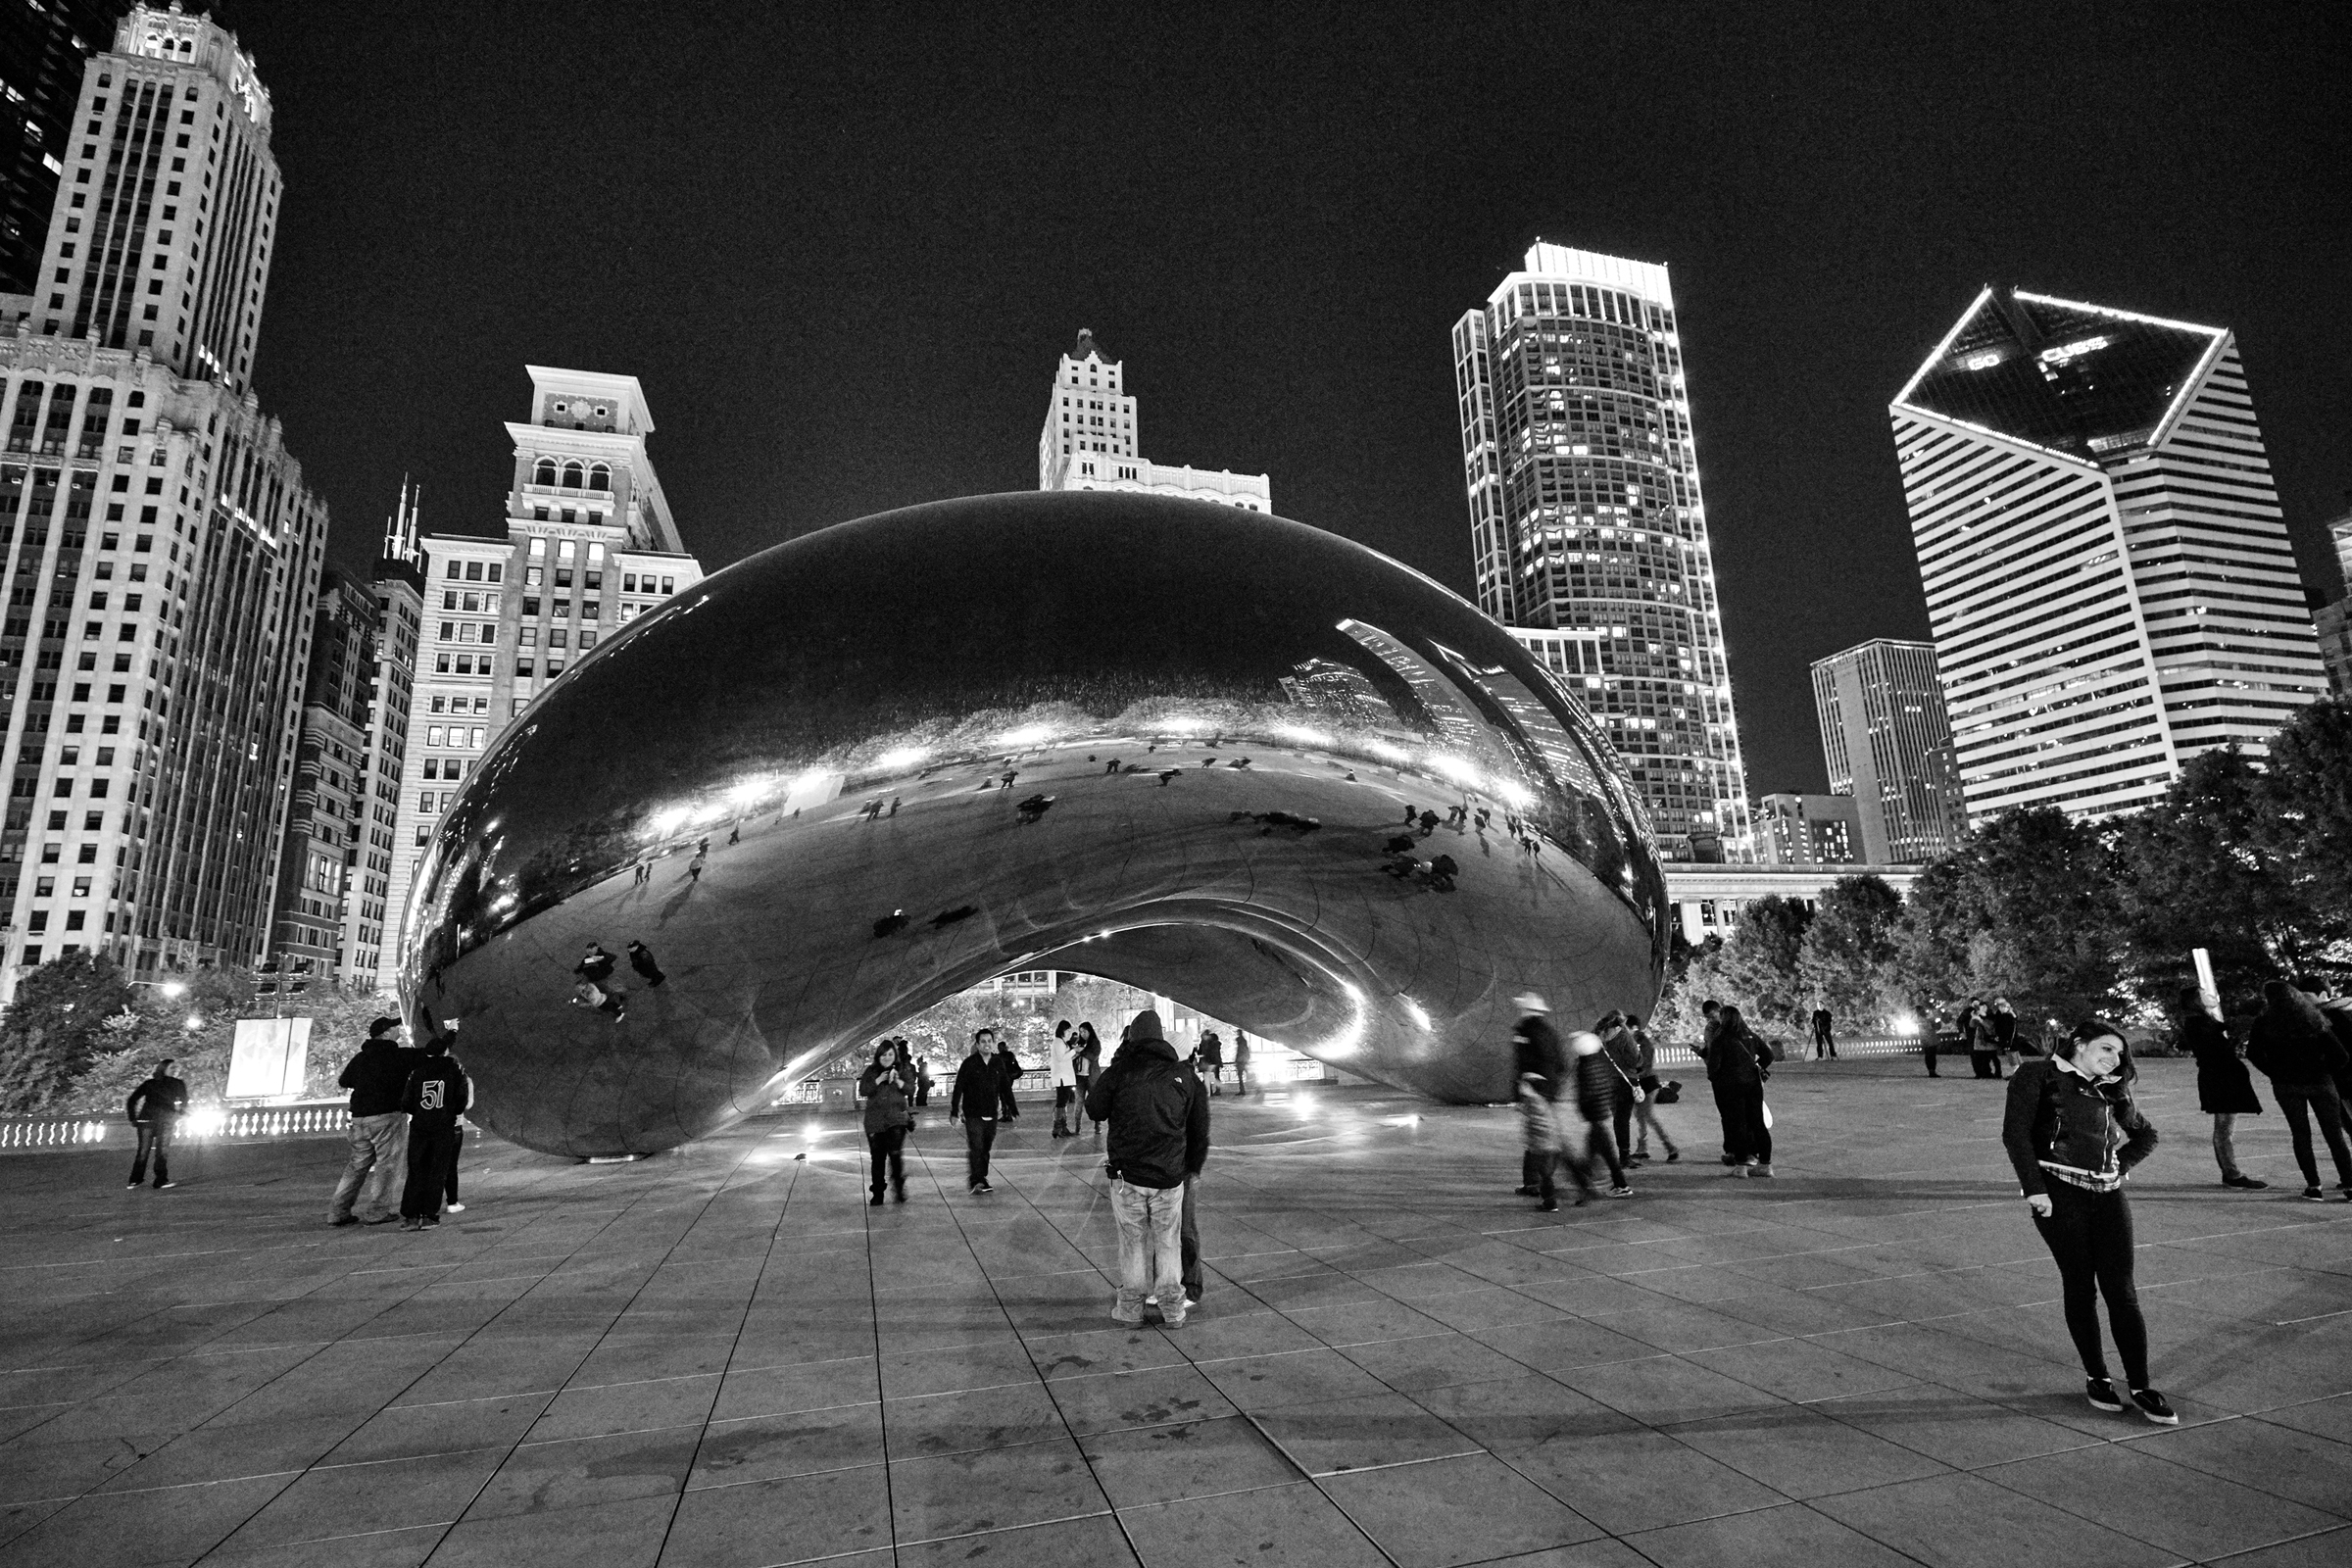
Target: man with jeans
376, 1077
978, 1093
1159, 1139
154, 1109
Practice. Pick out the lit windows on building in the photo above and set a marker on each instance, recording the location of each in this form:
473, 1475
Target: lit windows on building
1088, 441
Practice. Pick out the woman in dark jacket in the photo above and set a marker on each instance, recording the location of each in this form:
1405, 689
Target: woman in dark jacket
888, 1086
2223, 1090
2074, 1133
2300, 1055
1737, 1062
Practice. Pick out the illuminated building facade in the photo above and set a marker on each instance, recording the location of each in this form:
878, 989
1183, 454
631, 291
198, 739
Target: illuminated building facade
42, 51
161, 553
2108, 578
1887, 744
1588, 530
588, 545
1087, 442
1808, 830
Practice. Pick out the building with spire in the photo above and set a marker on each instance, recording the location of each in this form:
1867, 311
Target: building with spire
1088, 441
1589, 532
2108, 576
159, 553
587, 546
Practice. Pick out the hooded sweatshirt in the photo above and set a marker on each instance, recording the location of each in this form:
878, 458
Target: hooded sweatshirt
1158, 1116
378, 1075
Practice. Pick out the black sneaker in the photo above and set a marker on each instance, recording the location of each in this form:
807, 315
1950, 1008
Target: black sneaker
874, 1202
984, 1188
1524, 1192
1549, 1206
2313, 1194
2243, 1182
348, 1219
2100, 1391
2152, 1405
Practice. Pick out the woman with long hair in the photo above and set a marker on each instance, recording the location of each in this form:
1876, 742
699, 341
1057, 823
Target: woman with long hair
2300, 1055
2073, 1133
888, 1088
1736, 1064
1085, 1063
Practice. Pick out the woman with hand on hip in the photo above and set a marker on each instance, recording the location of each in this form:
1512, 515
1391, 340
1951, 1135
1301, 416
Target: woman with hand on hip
2074, 1133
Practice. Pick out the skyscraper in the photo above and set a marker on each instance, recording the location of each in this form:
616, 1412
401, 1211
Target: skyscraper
42, 51
1588, 530
323, 819
588, 545
1807, 830
1087, 442
370, 954
163, 554
2111, 587
1887, 744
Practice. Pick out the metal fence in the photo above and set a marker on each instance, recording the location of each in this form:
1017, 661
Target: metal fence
207, 1124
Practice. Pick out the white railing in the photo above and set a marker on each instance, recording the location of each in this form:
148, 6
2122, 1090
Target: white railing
206, 1124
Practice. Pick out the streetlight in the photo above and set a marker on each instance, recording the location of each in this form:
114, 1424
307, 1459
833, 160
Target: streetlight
172, 989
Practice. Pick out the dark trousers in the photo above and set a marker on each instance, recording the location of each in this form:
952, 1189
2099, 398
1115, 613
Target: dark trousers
1988, 1064
1823, 1040
457, 1146
1006, 1109
155, 1138
1195, 1280
1928, 1054
2090, 1233
2303, 1104
431, 1152
979, 1135
889, 1147
1744, 1135
1621, 1118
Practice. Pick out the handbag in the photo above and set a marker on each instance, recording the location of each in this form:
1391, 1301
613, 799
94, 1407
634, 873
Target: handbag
1767, 1105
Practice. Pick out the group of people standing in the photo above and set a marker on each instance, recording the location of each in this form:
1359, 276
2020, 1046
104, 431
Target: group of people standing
406, 1105
1608, 1076
2304, 1048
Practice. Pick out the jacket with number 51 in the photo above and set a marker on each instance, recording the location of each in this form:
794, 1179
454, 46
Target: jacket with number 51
438, 1093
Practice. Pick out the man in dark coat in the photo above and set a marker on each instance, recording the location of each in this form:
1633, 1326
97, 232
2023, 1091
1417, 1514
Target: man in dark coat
154, 1109
376, 1077
2224, 1090
1008, 1074
1823, 1041
977, 1094
1538, 1069
1158, 1138
438, 1093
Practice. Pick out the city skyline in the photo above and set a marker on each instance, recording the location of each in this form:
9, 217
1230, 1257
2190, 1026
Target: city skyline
1822, 234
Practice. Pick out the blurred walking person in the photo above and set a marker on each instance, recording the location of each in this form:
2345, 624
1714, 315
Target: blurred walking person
1159, 1139
887, 1086
1597, 1088
2224, 1089
974, 1100
154, 1109
2072, 1134
2300, 1055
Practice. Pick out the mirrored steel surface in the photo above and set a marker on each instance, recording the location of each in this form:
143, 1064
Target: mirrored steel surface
1160, 741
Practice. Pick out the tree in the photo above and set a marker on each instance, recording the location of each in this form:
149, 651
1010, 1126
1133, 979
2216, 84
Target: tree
2025, 908
1758, 963
2307, 824
57, 1027
2201, 868
1849, 957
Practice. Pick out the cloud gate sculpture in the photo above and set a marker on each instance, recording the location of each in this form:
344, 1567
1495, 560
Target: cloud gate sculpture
1220, 756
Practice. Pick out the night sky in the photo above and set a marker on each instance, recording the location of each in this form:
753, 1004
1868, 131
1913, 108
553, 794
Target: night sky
843, 255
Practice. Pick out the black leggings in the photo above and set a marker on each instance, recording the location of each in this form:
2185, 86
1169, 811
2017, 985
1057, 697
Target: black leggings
2090, 1233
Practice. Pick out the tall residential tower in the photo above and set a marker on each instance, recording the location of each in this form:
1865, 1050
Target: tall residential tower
1590, 533
1887, 744
2109, 581
162, 555
1087, 442
587, 546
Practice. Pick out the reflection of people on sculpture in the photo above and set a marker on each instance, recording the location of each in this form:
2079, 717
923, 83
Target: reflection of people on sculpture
1035, 807
894, 921
595, 968
641, 960
888, 1086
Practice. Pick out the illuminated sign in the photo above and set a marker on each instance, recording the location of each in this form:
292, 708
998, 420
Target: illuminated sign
1982, 362
2071, 351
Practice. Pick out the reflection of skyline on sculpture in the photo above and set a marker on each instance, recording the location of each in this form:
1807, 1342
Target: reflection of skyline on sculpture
1206, 798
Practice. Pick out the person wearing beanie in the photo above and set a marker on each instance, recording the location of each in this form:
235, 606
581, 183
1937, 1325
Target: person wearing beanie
438, 1093
154, 1109
379, 1129
1159, 1120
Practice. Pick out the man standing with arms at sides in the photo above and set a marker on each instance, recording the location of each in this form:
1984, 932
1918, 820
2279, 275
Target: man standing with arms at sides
438, 1094
154, 1109
1241, 1063
376, 1077
1823, 1038
973, 1102
1158, 1138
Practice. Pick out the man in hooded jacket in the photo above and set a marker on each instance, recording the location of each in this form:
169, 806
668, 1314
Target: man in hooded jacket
376, 1077
1159, 1120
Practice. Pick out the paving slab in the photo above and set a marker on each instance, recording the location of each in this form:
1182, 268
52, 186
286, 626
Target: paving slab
721, 1358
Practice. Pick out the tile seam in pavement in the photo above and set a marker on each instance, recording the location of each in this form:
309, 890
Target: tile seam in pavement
2284, 1541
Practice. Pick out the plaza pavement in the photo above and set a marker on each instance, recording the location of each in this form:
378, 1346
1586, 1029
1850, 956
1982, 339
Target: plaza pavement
721, 1358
